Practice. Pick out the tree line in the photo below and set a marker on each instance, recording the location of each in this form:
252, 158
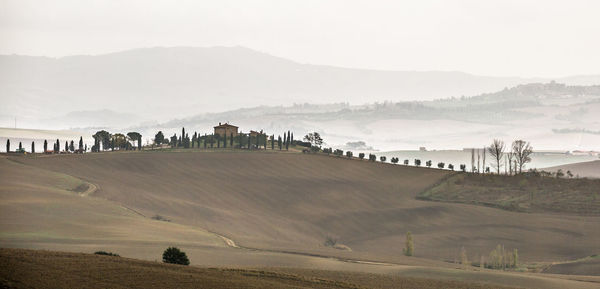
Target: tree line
69, 147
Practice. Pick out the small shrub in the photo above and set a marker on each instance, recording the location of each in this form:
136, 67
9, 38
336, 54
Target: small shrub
349, 154
409, 246
441, 165
417, 162
372, 157
406, 162
382, 159
361, 156
173, 255
106, 253
160, 218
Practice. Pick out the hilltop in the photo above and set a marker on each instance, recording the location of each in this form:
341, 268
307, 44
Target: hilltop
198, 76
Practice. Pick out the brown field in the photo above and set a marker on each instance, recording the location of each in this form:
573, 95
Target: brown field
278, 209
45, 269
583, 169
522, 193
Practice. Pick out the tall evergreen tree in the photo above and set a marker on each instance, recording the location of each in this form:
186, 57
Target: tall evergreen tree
81, 143
20, 147
7, 145
32, 147
231, 140
249, 141
205, 138
273, 142
279, 142
57, 146
224, 140
182, 135
287, 144
284, 140
139, 142
72, 146
257, 138
45, 145
264, 137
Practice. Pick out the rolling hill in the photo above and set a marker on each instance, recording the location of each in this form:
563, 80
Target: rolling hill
212, 79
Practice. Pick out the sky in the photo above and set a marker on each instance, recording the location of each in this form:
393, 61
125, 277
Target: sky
544, 38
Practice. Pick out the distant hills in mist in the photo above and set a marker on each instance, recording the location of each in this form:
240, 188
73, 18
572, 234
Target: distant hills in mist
167, 83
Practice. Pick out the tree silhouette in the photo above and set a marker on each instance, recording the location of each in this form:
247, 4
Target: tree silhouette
81, 143
32, 147
45, 145
7, 145
173, 255
159, 138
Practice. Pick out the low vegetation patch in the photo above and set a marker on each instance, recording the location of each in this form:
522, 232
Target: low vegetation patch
160, 218
527, 192
106, 253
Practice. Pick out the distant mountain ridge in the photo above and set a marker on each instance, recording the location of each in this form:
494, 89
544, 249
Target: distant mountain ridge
163, 83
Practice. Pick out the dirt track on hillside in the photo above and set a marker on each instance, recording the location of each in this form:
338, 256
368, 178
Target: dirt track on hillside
292, 202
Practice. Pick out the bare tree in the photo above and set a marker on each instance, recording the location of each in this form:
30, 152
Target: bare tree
509, 158
522, 151
496, 150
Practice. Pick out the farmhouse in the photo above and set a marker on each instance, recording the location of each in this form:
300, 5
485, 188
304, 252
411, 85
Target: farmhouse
226, 129
256, 133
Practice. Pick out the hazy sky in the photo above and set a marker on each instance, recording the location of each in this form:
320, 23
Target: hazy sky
509, 38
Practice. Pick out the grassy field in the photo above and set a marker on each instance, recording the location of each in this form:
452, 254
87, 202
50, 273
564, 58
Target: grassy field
46, 269
522, 193
277, 209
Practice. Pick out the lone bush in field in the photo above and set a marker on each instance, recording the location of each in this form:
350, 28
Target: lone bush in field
349, 154
173, 255
409, 246
106, 253
361, 155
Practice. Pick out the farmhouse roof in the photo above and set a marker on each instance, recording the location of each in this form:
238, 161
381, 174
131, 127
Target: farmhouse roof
225, 125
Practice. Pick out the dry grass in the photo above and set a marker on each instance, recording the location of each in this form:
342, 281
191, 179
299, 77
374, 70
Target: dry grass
523, 193
46, 269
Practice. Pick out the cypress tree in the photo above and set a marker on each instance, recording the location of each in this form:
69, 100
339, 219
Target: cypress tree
66, 146
224, 140
264, 137
273, 142
45, 145
257, 138
279, 142
112, 145
231, 140
287, 144
292, 138
140, 143
249, 138
284, 140
81, 143
32, 147
7, 145
57, 149
205, 137
182, 136
72, 146
20, 146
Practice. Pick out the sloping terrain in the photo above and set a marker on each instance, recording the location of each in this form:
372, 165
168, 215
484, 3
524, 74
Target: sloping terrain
528, 192
582, 169
45, 269
294, 202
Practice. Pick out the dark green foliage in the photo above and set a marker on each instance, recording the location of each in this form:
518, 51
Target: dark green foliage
72, 146
45, 145
7, 145
325, 150
372, 157
395, 160
20, 147
406, 162
81, 143
428, 163
173, 255
279, 142
451, 167
66, 146
338, 152
463, 167
272, 142
417, 162
106, 253
103, 137
32, 147
382, 159
159, 138
287, 144
224, 140
231, 140
441, 165
349, 154
361, 156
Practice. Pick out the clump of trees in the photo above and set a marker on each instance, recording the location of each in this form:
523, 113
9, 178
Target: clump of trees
372, 157
173, 255
500, 258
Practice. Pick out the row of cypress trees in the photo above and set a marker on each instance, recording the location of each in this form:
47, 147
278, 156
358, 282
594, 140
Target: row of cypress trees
69, 147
